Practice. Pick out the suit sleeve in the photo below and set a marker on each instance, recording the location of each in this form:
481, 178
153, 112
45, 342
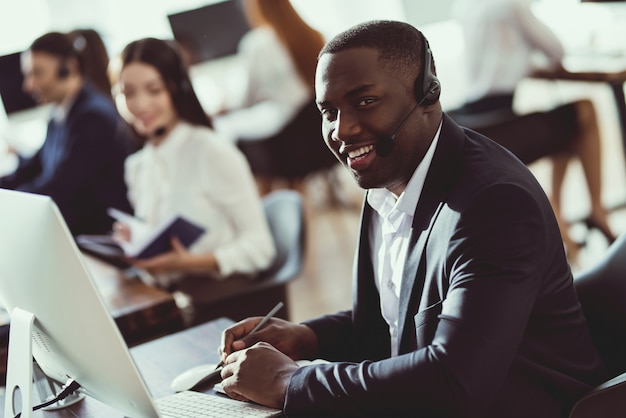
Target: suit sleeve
27, 169
89, 146
492, 265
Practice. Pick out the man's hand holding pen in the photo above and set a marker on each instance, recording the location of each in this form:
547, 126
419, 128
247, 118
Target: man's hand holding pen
258, 363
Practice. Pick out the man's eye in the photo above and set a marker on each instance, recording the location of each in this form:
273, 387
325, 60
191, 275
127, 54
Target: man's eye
366, 101
329, 113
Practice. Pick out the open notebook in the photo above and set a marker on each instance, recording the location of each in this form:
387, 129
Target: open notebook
146, 242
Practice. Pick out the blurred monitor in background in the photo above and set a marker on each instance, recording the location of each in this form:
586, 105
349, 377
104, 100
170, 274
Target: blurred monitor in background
14, 98
209, 32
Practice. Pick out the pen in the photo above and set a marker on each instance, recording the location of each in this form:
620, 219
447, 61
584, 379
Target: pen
258, 326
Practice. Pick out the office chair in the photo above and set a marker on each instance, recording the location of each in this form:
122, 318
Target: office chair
241, 297
602, 294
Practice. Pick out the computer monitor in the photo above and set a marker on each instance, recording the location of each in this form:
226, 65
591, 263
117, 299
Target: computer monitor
14, 98
211, 31
42, 271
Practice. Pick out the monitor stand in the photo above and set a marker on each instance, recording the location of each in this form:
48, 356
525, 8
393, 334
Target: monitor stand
20, 368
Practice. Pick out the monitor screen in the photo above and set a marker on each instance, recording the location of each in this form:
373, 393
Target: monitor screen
14, 98
42, 272
211, 31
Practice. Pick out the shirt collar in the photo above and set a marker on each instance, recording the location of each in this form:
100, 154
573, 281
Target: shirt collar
384, 202
168, 147
61, 110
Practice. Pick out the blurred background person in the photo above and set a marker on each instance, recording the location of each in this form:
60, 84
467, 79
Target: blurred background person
186, 169
81, 162
501, 39
276, 123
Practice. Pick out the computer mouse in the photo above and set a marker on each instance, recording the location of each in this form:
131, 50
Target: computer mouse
194, 376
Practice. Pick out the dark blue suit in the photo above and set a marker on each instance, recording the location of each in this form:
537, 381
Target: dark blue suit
489, 320
81, 164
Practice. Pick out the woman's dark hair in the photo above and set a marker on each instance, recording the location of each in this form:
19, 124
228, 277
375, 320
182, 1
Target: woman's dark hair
302, 41
94, 58
166, 58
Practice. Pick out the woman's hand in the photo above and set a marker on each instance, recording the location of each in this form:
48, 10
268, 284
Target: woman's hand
176, 260
121, 232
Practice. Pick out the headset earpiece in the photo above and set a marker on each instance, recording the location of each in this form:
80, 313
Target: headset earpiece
429, 90
63, 71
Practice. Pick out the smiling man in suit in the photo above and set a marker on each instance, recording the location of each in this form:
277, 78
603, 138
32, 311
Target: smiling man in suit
464, 304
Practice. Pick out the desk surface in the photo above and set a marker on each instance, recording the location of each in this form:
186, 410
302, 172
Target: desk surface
141, 312
589, 68
159, 361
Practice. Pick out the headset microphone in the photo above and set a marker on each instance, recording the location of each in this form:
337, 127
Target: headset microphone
385, 144
159, 131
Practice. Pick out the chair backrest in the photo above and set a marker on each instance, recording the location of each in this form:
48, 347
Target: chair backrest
285, 215
607, 400
602, 294
240, 297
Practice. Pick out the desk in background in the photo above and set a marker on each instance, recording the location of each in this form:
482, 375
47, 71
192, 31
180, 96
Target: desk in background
159, 362
611, 71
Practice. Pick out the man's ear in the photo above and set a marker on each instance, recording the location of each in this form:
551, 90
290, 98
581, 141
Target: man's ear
434, 107
73, 66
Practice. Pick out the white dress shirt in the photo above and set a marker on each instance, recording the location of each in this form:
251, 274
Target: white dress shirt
199, 175
501, 39
274, 91
389, 232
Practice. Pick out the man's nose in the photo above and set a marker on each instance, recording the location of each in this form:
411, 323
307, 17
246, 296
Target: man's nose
346, 127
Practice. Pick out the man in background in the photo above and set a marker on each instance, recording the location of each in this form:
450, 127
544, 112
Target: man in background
81, 162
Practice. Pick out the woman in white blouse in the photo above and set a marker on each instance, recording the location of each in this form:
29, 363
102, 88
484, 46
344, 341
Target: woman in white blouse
186, 169
272, 90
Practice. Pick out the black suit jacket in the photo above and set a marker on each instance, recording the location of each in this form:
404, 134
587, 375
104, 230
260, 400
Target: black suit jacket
490, 323
80, 164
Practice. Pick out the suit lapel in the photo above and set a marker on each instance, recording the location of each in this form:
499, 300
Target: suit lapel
439, 180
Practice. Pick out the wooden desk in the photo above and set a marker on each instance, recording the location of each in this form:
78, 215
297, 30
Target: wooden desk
611, 71
140, 311
159, 362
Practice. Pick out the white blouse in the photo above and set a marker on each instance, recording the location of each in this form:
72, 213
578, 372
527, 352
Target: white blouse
205, 178
274, 91
501, 40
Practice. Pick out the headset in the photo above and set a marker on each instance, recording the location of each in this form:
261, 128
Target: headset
429, 90
78, 45
64, 71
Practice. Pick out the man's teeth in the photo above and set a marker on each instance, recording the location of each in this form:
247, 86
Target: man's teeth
361, 151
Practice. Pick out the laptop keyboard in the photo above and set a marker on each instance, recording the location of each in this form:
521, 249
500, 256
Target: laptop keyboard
189, 404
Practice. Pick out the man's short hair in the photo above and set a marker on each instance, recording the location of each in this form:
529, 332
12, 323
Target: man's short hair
59, 45
398, 43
